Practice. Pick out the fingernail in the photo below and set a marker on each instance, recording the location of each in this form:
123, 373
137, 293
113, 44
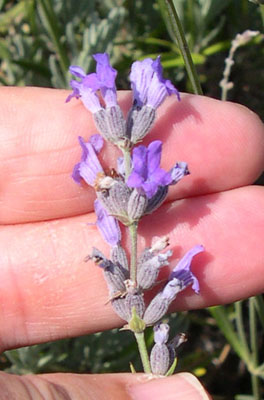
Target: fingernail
180, 386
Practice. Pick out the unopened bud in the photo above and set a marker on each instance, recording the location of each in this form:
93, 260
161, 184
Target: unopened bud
156, 309
159, 359
111, 124
114, 274
123, 305
118, 256
137, 204
139, 122
149, 270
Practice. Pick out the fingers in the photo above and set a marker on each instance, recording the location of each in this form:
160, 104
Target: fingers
48, 292
118, 387
223, 144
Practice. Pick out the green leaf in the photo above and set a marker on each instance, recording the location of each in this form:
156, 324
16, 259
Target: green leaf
132, 369
8, 17
172, 368
216, 48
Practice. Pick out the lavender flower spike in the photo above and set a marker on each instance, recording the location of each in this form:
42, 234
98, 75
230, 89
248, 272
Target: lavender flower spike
89, 166
182, 271
103, 79
107, 225
148, 85
147, 174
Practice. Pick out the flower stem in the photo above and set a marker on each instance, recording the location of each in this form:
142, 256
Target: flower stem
254, 347
127, 162
143, 352
182, 43
133, 253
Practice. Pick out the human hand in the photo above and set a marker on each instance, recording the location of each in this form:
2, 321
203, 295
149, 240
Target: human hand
47, 292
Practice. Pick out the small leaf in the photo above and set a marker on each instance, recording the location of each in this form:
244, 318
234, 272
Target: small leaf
132, 368
172, 368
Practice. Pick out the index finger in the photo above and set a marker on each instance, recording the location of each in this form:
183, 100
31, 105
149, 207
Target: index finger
222, 143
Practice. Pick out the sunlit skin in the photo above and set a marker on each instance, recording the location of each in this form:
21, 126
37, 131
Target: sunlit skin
48, 292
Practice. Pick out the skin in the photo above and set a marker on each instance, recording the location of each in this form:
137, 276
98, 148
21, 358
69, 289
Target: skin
48, 292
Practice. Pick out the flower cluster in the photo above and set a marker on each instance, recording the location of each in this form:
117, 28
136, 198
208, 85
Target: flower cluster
135, 187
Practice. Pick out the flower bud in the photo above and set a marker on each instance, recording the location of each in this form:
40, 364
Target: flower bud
114, 274
115, 200
156, 309
148, 271
159, 359
123, 305
139, 122
111, 124
118, 256
136, 205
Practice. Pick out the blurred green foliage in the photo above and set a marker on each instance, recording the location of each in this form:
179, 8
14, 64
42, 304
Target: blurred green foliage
39, 39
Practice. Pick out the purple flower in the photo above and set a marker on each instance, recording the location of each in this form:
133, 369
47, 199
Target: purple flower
103, 79
147, 174
107, 225
148, 85
182, 272
89, 166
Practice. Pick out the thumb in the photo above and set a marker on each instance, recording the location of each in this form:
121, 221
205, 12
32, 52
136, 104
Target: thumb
102, 387
180, 386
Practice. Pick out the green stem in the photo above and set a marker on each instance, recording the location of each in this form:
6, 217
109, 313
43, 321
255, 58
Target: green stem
133, 253
50, 21
143, 352
254, 347
182, 43
127, 161
259, 304
240, 326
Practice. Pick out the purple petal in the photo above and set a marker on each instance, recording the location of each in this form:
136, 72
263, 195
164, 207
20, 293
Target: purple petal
135, 180
97, 142
140, 77
89, 166
91, 81
146, 173
154, 155
105, 72
107, 225
106, 75
150, 188
148, 85
77, 71
139, 161
90, 99
182, 271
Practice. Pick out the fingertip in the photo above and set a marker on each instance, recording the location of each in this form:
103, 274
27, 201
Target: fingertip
180, 386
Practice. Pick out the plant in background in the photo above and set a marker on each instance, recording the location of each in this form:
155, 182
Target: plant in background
135, 187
